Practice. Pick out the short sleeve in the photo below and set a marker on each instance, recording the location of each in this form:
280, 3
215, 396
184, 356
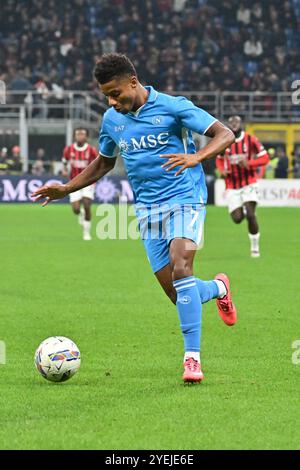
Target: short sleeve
192, 117
257, 147
107, 146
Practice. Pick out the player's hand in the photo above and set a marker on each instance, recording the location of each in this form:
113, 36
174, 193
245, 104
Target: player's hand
177, 159
50, 193
225, 173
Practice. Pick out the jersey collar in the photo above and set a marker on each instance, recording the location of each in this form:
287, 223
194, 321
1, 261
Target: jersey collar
82, 148
151, 98
152, 94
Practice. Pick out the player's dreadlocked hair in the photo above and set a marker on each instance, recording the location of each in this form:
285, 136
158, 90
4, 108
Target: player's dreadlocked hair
111, 66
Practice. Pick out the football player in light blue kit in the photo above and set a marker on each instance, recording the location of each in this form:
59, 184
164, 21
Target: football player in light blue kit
153, 132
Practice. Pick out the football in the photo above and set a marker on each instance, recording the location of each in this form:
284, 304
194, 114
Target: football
57, 358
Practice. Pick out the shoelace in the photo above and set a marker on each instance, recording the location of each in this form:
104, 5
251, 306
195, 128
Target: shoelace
191, 364
225, 305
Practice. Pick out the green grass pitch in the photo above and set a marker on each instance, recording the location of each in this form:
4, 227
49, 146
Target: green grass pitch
128, 393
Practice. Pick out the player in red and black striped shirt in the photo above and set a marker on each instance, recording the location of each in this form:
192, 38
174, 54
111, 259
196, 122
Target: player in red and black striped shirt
76, 158
238, 166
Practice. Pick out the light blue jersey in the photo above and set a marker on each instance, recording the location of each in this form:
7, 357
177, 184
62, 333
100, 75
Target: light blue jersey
167, 206
163, 125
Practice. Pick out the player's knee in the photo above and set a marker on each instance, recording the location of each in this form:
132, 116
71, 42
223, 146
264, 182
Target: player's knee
76, 210
237, 218
181, 269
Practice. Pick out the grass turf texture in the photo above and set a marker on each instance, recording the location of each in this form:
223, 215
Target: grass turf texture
128, 393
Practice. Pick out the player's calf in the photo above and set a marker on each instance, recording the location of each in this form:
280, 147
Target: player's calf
76, 207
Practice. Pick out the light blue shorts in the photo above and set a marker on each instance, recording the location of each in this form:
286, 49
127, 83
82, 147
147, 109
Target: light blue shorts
160, 224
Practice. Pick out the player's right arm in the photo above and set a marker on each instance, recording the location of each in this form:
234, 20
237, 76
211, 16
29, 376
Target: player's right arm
92, 173
221, 166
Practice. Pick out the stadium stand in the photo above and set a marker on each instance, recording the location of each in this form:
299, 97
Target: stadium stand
176, 44
228, 56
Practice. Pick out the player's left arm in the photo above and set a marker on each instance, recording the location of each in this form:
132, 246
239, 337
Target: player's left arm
198, 120
261, 156
66, 161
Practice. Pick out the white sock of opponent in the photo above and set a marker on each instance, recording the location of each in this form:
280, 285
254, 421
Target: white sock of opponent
87, 227
254, 241
81, 216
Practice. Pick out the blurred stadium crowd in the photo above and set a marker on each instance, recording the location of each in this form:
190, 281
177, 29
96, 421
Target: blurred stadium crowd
177, 45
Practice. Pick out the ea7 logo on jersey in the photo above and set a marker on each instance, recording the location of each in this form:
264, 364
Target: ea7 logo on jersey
119, 128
